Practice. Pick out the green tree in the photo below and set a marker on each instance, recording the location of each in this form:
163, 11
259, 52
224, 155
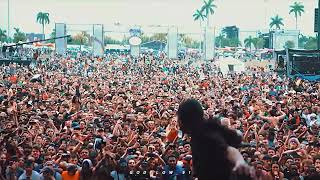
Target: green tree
233, 42
231, 31
80, 39
302, 41
297, 9
186, 40
311, 44
277, 22
208, 8
125, 40
109, 40
248, 42
219, 40
195, 44
258, 43
52, 35
289, 44
3, 35
19, 36
199, 16
159, 37
222, 41
43, 19
145, 38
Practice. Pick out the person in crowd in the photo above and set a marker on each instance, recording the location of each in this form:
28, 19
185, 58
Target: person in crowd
29, 173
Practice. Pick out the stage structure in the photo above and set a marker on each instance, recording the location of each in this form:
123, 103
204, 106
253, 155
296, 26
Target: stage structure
172, 45
208, 44
304, 64
279, 38
98, 40
61, 43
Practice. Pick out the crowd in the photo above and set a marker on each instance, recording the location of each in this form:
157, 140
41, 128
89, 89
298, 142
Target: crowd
87, 118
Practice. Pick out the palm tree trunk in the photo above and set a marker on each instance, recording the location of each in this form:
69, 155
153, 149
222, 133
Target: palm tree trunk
43, 32
200, 45
296, 23
208, 20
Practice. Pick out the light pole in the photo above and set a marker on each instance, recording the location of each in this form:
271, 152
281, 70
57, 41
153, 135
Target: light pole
8, 30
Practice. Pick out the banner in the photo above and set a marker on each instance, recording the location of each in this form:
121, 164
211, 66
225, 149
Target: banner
61, 44
209, 44
98, 40
172, 45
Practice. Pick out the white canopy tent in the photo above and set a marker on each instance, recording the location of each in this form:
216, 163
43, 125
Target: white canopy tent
230, 64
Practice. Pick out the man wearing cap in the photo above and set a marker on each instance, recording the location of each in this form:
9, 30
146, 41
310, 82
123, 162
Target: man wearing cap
29, 173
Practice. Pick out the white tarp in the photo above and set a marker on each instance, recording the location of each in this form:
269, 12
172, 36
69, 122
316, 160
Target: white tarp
230, 64
61, 44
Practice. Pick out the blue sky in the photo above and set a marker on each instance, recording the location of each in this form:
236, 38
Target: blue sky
247, 14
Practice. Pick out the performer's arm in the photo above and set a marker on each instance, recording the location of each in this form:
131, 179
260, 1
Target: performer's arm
240, 165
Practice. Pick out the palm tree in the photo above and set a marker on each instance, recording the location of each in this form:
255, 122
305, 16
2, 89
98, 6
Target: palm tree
257, 43
198, 15
297, 9
19, 36
43, 18
248, 42
3, 35
208, 7
276, 21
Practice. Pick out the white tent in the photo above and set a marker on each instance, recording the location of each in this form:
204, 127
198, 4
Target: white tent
230, 64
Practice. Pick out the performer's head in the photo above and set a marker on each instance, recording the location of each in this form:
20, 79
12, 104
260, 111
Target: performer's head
190, 115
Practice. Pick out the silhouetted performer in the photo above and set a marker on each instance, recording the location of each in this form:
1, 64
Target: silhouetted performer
214, 153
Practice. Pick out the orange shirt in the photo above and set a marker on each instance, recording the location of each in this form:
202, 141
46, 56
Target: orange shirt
13, 79
66, 176
172, 135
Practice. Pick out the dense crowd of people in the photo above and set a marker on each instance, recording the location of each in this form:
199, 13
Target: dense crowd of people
90, 118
